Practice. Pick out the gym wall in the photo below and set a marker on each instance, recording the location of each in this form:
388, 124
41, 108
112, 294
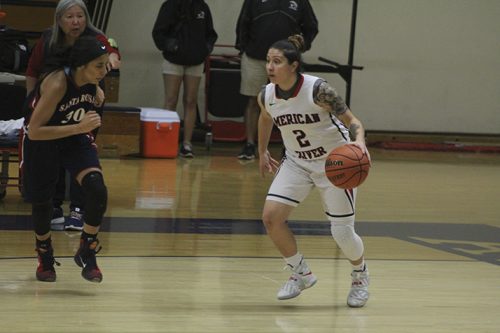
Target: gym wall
429, 65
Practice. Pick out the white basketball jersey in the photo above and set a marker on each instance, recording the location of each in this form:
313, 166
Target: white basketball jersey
309, 132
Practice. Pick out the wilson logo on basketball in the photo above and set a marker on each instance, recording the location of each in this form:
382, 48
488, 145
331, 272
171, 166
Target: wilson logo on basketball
329, 163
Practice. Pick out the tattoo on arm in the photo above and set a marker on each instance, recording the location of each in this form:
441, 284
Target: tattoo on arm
353, 131
326, 96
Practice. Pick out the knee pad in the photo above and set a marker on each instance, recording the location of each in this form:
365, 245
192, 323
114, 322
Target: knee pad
96, 198
42, 214
349, 242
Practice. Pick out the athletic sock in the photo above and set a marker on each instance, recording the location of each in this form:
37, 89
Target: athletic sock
295, 260
360, 268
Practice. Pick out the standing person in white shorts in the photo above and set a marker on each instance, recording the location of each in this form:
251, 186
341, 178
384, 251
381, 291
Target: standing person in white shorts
260, 24
185, 34
313, 120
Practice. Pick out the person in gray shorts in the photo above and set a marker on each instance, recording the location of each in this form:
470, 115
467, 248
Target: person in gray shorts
260, 24
185, 34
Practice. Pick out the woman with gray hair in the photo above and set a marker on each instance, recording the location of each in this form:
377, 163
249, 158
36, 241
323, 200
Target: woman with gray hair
71, 21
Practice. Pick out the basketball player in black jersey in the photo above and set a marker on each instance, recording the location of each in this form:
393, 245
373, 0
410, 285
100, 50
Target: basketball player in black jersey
58, 128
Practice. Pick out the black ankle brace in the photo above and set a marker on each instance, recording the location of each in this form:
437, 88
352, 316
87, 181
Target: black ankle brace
44, 244
88, 238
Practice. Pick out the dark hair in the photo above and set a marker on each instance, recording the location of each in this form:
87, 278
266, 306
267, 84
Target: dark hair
56, 59
86, 49
292, 48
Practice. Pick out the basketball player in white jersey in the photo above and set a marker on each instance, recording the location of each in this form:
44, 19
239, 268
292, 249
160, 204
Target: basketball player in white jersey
313, 120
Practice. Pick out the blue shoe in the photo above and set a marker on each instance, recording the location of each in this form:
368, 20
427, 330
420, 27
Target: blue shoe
57, 216
75, 220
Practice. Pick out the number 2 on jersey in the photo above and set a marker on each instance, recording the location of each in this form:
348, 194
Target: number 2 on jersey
301, 138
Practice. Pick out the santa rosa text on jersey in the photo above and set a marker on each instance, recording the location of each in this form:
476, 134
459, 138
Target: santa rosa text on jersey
74, 101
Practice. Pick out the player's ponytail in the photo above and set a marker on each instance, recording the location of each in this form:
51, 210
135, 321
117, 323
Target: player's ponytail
57, 59
292, 48
298, 42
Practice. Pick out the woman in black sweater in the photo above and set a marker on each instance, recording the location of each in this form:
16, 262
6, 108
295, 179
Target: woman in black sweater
185, 34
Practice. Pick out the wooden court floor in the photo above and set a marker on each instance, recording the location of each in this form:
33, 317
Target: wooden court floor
184, 251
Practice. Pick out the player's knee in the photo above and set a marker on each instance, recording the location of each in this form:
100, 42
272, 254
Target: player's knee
349, 242
96, 198
93, 186
267, 220
270, 219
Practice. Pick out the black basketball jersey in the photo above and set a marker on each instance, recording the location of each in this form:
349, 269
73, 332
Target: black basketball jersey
72, 107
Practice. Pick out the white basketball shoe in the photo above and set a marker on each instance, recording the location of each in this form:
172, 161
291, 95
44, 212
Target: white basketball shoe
358, 295
301, 278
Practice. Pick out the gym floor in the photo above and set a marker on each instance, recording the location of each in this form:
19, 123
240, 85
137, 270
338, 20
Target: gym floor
184, 251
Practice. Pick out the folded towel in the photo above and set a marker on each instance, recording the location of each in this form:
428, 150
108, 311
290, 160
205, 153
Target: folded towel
11, 127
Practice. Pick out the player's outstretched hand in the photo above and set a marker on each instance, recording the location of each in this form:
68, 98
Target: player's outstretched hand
267, 163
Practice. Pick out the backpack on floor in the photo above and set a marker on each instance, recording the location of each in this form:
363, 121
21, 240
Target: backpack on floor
14, 50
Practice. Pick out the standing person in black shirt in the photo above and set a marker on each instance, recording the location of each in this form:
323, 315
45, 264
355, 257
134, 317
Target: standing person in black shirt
260, 24
185, 34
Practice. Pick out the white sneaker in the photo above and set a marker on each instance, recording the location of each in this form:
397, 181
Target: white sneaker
358, 295
295, 284
57, 216
301, 278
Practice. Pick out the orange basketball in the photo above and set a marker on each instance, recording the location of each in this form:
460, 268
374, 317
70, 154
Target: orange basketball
347, 167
